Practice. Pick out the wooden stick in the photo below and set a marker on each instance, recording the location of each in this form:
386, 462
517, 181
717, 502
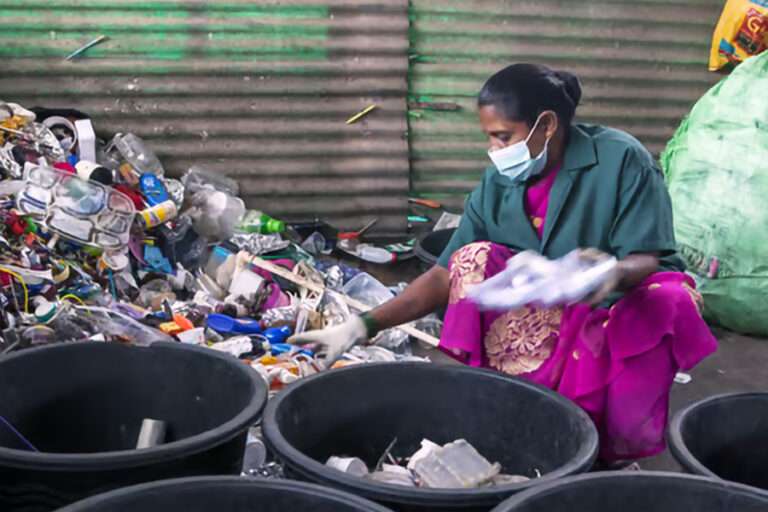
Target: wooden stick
355, 304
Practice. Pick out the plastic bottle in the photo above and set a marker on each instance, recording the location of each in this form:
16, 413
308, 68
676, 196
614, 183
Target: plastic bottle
215, 214
136, 152
158, 214
255, 221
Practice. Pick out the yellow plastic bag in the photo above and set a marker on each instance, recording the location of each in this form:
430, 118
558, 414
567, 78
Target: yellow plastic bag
741, 33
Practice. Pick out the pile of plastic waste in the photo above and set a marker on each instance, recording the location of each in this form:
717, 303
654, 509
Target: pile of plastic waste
100, 244
456, 465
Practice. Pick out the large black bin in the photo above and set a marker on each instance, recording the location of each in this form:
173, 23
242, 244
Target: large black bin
225, 494
359, 411
82, 406
628, 491
724, 436
429, 248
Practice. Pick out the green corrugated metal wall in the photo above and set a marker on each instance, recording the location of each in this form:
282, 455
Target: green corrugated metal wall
259, 90
643, 64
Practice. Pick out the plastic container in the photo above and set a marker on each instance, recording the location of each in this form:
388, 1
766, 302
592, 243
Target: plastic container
724, 436
520, 425
215, 214
197, 178
431, 246
136, 152
638, 491
225, 494
158, 214
82, 405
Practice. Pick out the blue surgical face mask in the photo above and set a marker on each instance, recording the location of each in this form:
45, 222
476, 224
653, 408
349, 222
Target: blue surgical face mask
515, 161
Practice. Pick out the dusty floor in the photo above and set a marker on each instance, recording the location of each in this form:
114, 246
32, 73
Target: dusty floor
738, 365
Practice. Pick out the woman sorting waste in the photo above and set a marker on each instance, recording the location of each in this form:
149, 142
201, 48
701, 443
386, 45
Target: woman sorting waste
555, 187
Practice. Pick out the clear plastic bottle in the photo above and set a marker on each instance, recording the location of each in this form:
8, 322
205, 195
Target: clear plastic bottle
136, 152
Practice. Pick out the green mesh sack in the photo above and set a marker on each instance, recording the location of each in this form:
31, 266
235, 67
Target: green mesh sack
716, 167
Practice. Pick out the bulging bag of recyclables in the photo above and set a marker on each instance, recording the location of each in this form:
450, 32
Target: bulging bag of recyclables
716, 167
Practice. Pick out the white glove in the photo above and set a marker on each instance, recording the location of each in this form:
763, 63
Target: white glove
334, 341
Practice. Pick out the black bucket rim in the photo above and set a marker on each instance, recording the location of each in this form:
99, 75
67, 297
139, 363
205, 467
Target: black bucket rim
677, 444
424, 255
523, 497
123, 459
278, 445
288, 485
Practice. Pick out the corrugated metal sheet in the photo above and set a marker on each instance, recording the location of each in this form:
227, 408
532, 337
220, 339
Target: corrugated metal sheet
643, 63
259, 90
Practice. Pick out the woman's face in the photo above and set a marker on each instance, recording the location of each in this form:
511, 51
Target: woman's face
502, 132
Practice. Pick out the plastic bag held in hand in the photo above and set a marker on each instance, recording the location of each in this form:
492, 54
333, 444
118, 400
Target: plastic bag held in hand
533, 279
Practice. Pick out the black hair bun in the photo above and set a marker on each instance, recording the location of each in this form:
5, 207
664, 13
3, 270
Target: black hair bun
571, 85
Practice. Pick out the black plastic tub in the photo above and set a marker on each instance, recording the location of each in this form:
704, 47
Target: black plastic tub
225, 494
358, 411
724, 436
81, 405
429, 248
638, 491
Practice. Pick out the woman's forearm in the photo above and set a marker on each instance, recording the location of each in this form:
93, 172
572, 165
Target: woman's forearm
420, 298
635, 268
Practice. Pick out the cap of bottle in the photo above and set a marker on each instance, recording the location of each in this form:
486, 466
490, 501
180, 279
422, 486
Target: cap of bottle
275, 226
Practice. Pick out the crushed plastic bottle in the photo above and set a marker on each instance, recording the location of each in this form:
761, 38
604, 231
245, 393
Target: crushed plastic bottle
456, 465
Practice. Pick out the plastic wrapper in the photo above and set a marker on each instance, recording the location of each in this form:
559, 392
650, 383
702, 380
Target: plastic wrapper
454, 466
276, 317
335, 310
257, 244
198, 178
716, 168
334, 278
741, 33
8, 164
368, 290
40, 138
152, 294
114, 324
533, 279
315, 244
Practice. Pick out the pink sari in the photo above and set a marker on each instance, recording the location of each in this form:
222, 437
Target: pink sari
618, 364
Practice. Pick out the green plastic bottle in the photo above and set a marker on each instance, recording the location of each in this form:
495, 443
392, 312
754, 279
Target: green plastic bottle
255, 221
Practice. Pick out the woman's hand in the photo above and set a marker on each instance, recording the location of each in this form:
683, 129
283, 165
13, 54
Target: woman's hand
332, 342
612, 281
628, 273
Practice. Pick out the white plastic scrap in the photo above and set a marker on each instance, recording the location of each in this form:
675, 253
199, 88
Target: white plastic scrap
456, 465
533, 279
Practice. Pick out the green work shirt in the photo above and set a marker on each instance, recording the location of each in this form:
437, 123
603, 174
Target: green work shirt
609, 195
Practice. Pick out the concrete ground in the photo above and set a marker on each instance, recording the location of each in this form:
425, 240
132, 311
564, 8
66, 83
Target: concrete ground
738, 365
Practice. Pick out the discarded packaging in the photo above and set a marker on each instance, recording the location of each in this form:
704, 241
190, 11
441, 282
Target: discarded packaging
152, 433
533, 279
455, 465
349, 465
